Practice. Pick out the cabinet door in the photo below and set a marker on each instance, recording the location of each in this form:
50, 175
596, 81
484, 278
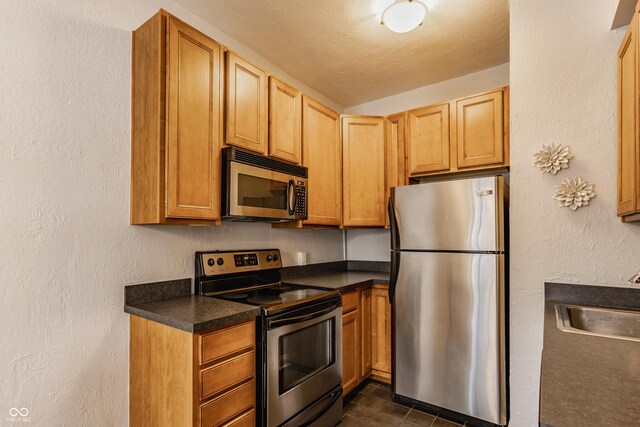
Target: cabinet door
193, 128
480, 130
350, 351
627, 132
394, 127
323, 157
363, 184
365, 321
428, 144
246, 96
381, 332
285, 121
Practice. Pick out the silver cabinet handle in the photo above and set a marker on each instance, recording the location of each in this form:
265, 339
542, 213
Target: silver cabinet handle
484, 192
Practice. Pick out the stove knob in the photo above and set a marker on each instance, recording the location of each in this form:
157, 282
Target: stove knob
275, 257
220, 261
269, 258
211, 262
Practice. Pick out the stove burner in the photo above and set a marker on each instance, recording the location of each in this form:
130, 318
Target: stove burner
265, 299
237, 295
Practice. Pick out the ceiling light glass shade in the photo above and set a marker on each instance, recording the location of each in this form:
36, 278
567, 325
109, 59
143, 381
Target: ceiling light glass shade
404, 15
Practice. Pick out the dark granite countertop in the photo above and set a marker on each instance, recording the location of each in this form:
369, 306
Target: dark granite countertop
171, 303
345, 281
193, 313
588, 380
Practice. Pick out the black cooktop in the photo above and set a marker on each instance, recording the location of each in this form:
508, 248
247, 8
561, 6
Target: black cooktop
274, 295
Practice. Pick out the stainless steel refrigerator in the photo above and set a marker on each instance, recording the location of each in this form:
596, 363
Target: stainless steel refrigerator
448, 294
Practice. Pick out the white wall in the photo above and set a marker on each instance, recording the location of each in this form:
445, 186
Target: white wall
371, 244
66, 247
563, 90
481, 81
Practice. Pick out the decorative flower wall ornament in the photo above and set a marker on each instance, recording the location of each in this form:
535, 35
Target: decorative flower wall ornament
574, 193
552, 158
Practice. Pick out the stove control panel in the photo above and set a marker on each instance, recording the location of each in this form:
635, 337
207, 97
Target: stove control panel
227, 262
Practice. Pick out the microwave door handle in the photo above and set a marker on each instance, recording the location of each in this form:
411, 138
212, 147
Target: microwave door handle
291, 197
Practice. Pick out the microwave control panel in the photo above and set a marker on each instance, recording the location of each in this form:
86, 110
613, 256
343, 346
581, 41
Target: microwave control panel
301, 200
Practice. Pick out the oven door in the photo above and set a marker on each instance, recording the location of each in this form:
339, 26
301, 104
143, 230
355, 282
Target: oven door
304, 359
261, 193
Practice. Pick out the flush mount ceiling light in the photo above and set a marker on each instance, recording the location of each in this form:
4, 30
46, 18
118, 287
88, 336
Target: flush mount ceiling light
404, 15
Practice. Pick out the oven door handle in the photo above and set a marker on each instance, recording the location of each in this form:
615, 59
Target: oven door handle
274, 323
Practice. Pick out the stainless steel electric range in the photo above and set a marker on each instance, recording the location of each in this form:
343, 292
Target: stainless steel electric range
299, 336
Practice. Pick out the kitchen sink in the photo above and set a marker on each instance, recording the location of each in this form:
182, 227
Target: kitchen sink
597, 321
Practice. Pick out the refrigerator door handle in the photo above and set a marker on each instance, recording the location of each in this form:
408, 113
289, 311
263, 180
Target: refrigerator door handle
395, 249
393, 227
395, 269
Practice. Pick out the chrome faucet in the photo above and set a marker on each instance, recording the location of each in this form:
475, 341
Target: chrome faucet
635, 279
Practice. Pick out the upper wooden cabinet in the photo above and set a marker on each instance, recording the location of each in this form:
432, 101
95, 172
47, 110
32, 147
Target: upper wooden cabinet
628, 135
176, 124
323, 157
363, 183
480, 130
246, 107
394, 127
428, 140
285, 121
466, 134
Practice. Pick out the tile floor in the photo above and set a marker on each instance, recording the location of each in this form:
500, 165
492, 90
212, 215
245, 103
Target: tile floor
372, 407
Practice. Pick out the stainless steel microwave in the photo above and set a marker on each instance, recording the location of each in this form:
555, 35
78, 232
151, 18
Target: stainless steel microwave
255, 187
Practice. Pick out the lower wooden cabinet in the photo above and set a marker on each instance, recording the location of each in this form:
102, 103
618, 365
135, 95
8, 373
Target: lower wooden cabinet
366, 336
181, 379
351, 332
380, 332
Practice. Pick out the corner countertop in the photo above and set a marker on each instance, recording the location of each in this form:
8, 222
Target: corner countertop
171, 303
193, 313
585, 379
344, 281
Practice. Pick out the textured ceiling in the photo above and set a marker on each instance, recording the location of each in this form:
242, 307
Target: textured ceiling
339, 48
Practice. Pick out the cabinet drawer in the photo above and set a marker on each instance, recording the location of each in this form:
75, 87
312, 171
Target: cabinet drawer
245, 420
225, 375
350, 301
228, 405
226, 341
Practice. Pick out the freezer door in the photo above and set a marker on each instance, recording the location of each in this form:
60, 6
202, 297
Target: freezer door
449, 332
461, 215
